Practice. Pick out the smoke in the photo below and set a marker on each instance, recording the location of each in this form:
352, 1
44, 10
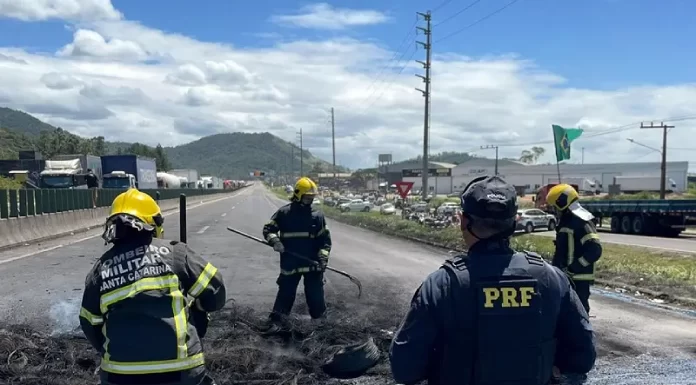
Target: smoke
64, 314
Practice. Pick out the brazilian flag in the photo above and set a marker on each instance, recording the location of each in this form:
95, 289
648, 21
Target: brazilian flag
562, 139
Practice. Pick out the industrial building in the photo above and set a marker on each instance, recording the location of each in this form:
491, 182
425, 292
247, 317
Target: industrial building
447, 178
439, 180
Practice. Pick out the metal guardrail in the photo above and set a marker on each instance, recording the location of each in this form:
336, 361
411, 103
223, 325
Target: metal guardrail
26, 202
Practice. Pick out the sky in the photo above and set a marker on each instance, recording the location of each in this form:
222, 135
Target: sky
503, 71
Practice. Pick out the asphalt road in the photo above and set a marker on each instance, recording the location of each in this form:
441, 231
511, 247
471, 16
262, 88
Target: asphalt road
43, 288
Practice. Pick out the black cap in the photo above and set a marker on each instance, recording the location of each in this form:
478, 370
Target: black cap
489, 197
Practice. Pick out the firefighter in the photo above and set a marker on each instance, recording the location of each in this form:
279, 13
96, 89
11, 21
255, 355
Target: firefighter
297, 228
493, 316
577, 243
135, 307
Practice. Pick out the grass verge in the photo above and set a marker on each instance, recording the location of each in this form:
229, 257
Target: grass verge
666, 275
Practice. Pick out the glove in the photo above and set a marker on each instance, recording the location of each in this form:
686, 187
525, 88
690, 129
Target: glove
278, 246
323, 261
199, 318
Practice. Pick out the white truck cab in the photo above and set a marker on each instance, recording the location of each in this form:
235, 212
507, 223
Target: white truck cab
119, 180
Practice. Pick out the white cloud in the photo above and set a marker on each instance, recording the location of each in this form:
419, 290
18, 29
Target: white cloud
101, 85
92, 45
324, 16
33, 10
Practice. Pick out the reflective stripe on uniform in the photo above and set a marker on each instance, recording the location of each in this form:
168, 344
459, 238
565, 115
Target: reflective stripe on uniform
169, 283
299, 270
203, 280
180, 322
178, 364
271, 237
584, 261
571, 243
324, 252
298, 234
94, 320
588, 237
145, 284
583, 277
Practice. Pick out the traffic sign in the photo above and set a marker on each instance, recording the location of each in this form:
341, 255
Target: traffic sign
403, 188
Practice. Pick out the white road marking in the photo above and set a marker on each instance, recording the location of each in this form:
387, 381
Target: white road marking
2, 261
224, 214
201, 231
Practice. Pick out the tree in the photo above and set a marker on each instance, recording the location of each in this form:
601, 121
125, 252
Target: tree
532, 155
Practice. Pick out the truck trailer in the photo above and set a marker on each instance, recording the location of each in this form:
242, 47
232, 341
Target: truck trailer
659, 217
166, 180
126, 171
635, 184
190, 175
68, 171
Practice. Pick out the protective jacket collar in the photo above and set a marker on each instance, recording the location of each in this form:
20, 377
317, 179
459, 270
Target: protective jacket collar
487, 247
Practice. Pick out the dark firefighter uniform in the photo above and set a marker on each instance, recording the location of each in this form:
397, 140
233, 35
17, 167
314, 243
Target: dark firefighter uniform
135, 307
493, 316
297, 228
577, 244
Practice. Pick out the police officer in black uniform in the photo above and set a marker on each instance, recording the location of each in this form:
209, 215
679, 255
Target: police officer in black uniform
494, 316
297, 228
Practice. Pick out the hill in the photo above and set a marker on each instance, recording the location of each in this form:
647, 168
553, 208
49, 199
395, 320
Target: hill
234, 155
230, 155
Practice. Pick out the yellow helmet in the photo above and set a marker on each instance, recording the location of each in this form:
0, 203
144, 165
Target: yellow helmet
561, 196
139, 210
304, 186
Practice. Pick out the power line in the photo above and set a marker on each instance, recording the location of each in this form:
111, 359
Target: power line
391, 62
388, 86
457, 13
613, 130
477, 21
441, 5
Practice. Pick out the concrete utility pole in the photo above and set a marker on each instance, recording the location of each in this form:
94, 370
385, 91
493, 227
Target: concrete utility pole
496, 155
426, 94
333, 146
292, 163
301, 154
663, 167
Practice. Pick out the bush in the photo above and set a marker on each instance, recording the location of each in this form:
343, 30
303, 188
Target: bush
9, 184
668, 273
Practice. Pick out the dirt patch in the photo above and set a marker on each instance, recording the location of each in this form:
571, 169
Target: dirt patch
238, 349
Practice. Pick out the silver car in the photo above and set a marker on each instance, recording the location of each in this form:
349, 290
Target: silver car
532, 219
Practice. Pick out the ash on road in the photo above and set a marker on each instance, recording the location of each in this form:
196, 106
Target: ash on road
637, 343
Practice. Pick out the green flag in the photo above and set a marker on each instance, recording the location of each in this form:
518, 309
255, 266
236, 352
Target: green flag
562, 138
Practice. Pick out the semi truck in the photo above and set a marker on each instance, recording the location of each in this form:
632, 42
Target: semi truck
188, 176
635, 184
126, 171
68, 171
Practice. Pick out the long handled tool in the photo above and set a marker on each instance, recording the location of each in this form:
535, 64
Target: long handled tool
343, 273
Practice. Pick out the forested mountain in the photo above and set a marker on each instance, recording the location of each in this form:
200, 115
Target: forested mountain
230, 155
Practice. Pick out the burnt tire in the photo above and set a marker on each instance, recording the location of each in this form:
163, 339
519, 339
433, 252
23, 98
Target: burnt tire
353, 361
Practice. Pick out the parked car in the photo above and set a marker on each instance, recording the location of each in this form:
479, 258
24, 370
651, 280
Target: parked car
355, 205
447, 208
532, 219
387, 209
420, 207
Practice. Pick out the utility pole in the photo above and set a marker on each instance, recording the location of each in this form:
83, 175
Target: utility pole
496, 155
333, 145
426, 94
292, 163
301, 154
663, 167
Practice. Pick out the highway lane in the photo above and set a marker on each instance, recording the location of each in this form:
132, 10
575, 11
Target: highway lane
683, 244
46, 287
